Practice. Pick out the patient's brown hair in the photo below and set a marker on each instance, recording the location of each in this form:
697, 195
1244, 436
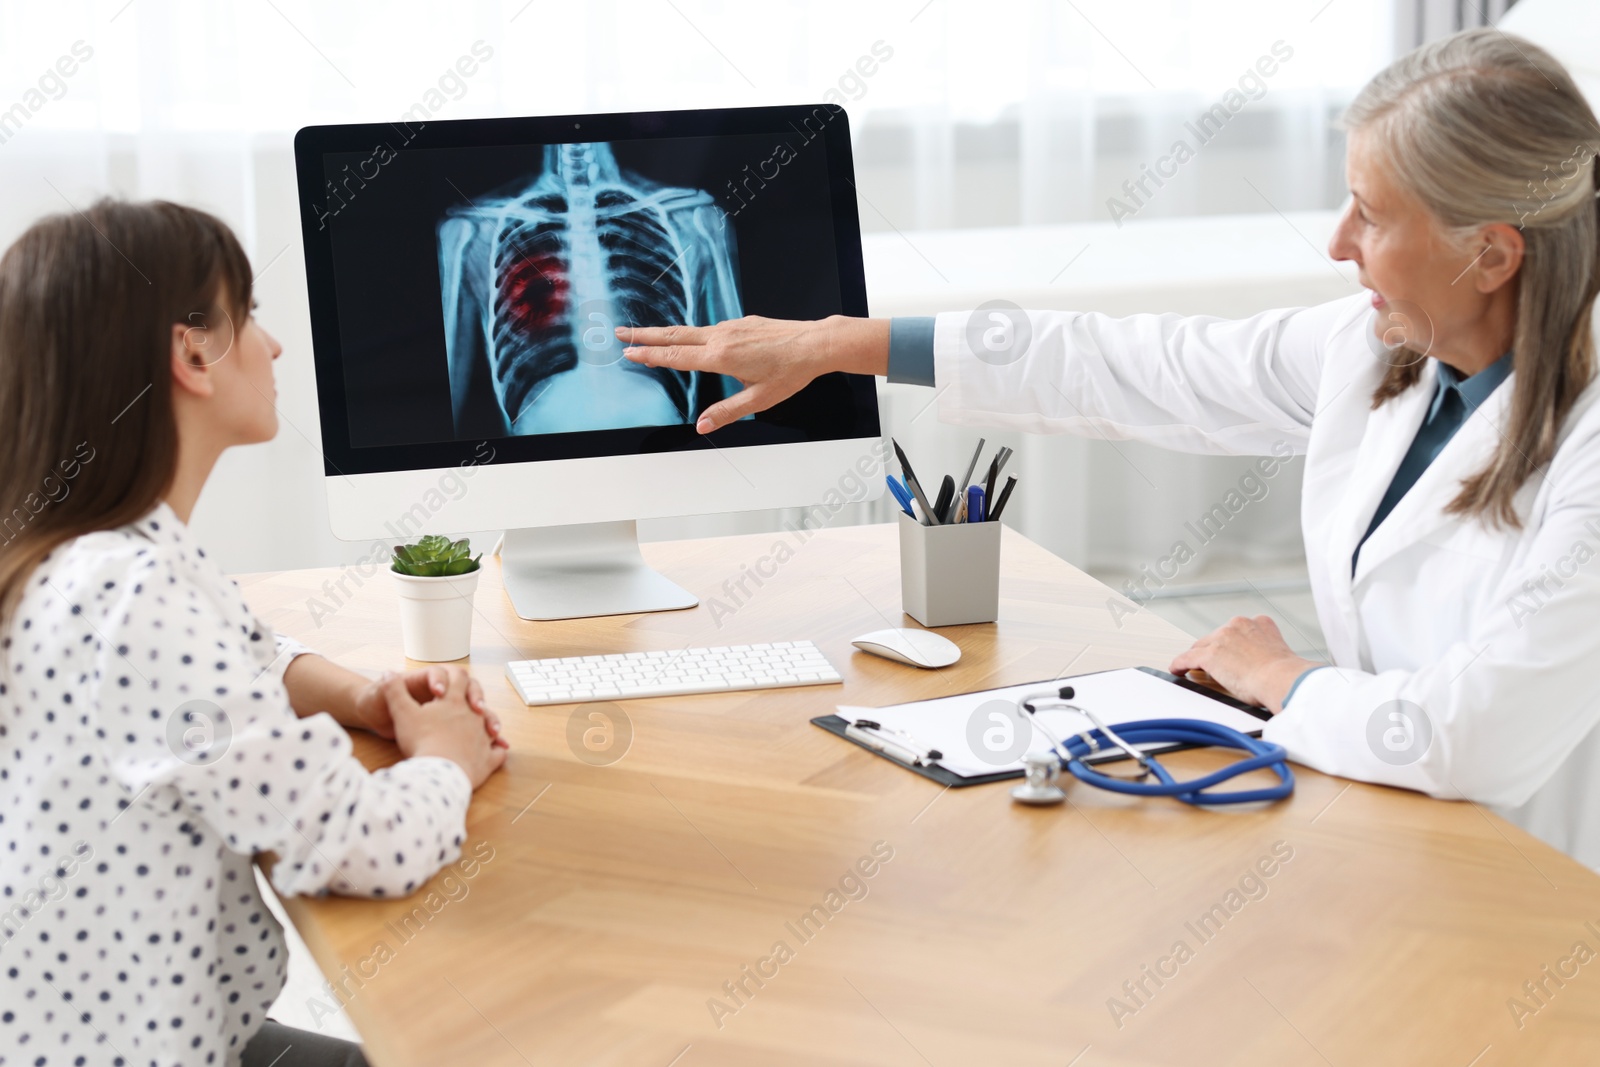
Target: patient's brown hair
88, 437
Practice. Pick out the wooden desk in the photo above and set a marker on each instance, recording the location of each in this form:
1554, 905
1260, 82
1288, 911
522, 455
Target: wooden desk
620, 898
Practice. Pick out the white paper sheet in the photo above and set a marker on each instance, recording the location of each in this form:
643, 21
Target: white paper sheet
986, 732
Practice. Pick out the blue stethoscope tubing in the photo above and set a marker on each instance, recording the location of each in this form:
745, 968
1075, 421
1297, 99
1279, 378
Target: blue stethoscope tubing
1263, 755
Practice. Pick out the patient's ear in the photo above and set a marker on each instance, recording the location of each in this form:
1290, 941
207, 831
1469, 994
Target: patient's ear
191, 368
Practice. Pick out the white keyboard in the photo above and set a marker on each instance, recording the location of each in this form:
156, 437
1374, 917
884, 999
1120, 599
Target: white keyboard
672, 672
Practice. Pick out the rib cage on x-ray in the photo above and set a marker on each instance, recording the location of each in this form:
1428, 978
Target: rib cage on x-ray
533, 282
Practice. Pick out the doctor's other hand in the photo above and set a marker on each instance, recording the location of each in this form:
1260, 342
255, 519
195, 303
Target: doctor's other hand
772, 358
1249, 658
446, 726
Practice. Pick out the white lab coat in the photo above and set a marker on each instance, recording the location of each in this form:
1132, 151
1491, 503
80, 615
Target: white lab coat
1442, 612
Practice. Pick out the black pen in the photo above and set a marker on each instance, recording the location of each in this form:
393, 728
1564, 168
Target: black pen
912, 483
947, 494
1000, 458
1005, 494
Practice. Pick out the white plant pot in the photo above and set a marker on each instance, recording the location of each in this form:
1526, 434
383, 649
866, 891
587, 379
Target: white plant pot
436, 615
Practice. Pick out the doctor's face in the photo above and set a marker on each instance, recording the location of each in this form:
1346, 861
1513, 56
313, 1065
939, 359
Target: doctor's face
1404, 257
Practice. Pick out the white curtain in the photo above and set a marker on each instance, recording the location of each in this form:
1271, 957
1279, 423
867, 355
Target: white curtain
966, 113
1420, 21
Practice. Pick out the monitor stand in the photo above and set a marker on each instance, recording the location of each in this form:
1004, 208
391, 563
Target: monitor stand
583, 570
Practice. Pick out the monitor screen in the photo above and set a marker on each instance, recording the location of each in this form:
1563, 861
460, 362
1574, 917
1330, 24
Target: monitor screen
466, 278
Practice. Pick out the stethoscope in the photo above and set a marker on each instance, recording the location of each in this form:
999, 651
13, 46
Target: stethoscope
1043, 769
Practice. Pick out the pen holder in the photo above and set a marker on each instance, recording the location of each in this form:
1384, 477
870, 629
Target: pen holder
949, 574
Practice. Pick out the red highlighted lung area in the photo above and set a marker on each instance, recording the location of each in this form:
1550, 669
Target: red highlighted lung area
533, 291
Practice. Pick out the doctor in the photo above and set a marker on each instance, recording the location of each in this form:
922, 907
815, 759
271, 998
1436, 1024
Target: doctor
1451, 507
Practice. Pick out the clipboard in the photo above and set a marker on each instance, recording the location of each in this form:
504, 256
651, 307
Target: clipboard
1237, 713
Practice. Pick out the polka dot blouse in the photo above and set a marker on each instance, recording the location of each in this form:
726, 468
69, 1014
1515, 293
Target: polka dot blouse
147, 752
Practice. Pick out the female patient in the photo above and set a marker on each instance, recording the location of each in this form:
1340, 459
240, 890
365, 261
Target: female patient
154, 734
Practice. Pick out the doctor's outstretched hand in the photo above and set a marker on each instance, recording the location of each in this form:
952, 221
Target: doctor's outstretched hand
772, 358
1249, 658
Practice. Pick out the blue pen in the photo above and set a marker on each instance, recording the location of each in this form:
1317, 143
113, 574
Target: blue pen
975, 503
901, 494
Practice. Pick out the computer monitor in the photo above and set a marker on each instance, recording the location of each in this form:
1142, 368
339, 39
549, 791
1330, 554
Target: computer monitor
464, 281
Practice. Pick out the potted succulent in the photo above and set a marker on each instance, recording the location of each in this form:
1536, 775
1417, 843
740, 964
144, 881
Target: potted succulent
437, 579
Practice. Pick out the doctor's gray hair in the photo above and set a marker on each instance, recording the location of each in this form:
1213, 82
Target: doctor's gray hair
1486, 128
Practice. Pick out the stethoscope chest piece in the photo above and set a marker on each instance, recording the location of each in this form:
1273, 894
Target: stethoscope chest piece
1039, 787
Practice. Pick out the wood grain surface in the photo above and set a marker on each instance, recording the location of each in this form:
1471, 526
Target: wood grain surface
710, 880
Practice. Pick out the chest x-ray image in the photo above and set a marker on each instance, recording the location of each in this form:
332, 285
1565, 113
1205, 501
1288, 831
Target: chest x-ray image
535, 276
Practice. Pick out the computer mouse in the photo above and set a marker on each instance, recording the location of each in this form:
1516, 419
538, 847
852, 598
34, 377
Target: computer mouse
920, 648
